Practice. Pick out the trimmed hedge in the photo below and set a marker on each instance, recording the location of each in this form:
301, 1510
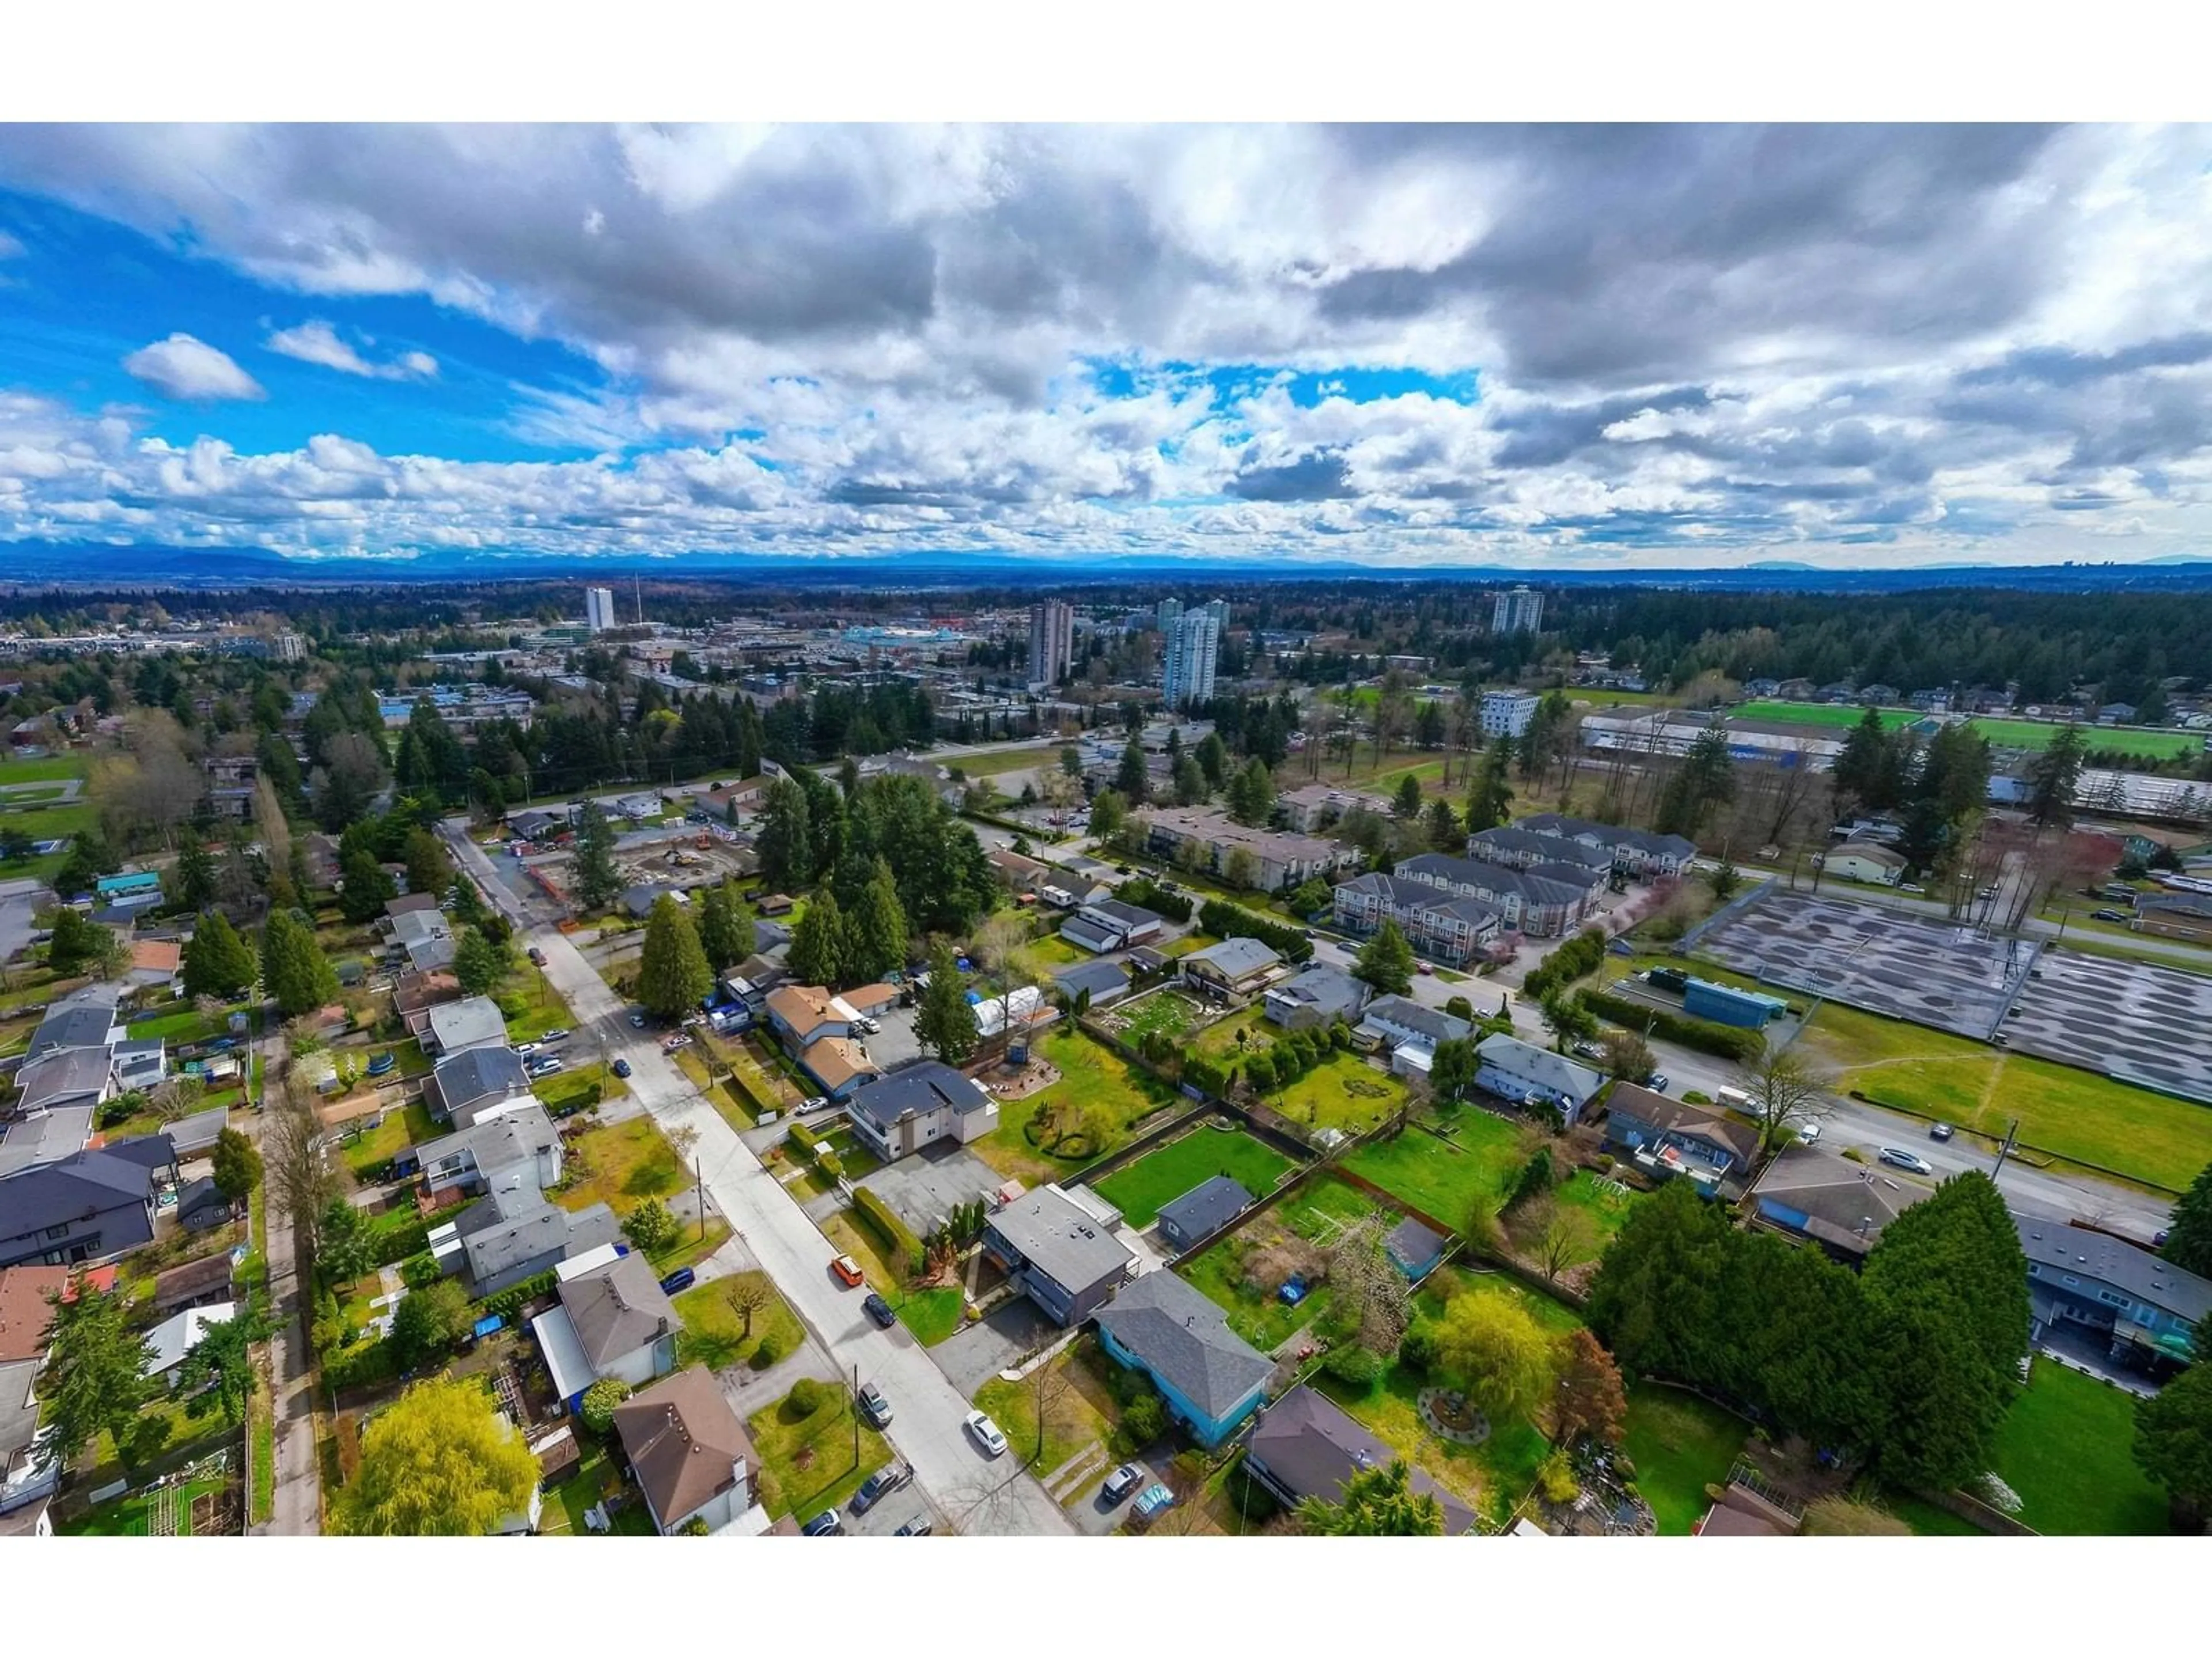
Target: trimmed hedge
1729, 1042
893, 1231
807, 1138
1231, 921
1568, 963
510, 1302
830, 1163
1148, 895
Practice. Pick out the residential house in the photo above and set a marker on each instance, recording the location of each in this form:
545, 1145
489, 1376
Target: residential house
84, 1208
614, 1320
1064, 1257
201, 1204
691, 1456
1879, 696
1518, 849
1666, 1138
1864, 861
194, 1285
83, 1019
1017, 873
1547, 900
1206, 1208
510, 1146
1268, 860
413, 996
82, 1077
1761, 687
538, 824
156, 964
2115, 713
1794, 690
1304, 1446
514, 1234
1105, 982
1317, 997
409, 905
28, 1469
1810, 1193
1446, 926
1410, 1031
1211, 1378
1933, 701
1233, 969
426, 938
2150, 1315
839, 1066
919, 1106
801, 1015
745, 797
453, 1028
2174, 915
871, 999
465, 1085
197, 1133
1105, 925
1415, 1250
1532, 1076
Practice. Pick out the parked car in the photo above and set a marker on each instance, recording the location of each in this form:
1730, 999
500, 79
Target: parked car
621, 1067
636, 1020
548, 1066
879, 1310
1657, 1083
879, 1485
824, 1525
1904, 1160
1119, 1484
874, 1406
1986, 894
679, 1040
985, 1433
2108, 916
525, 1049
554, 1036
2158, 1239
815, 1103
1808, 1134
1156, 1499
848, 1271
1586, 1049
681, 1279
917, 1527
1940, 1132
537, 955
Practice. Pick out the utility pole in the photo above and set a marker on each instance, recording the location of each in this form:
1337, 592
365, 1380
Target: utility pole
853, 1405
2004, 1151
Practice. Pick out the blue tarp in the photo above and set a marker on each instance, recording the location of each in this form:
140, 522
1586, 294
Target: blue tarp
486, 1327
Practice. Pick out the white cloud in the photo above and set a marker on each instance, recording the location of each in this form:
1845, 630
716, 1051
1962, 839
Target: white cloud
11, 248
316, 342
183, 367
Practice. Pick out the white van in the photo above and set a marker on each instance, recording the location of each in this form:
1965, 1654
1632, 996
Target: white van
1734, 1099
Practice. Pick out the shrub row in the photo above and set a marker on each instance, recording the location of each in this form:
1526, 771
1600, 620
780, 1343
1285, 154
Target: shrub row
1576, 957
510, 1302
805, 1140
1229, 921
1148, 895
893, 1231
1729, 1042
830, 1163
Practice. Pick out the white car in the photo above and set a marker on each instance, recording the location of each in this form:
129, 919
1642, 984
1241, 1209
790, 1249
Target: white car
985, 1433
1899, 1158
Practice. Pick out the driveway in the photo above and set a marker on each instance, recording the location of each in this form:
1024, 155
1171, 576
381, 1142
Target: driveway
972, 1494
974, 1354
925, 1188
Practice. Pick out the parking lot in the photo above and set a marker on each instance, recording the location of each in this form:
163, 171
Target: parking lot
1870, 956
2130, 1020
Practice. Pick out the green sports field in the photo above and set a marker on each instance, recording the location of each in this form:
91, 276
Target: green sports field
2005, 733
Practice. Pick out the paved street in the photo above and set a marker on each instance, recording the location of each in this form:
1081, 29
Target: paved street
975, 1494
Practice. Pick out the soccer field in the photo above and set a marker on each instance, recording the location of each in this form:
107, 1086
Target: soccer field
2004, 733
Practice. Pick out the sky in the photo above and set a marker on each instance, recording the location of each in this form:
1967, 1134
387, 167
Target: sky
1404, 346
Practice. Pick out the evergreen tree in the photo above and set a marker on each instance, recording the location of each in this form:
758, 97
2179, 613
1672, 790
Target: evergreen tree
2188, 1239
1252, 793
237, 1166
1861, 774
785, 840
94, 1375
1107, 813
365, 886
1189, 782
300, 977
1490, 797
597, 883
724, 932
820, 946
1131, 780
217, 962
1705, 779
1375, 1503
478, 964
88, 858
1443, 830
1212, 757
193, 880
673, 975
876, 930
1406, 805
77, 941
1652, 1301
2052, 777
945, 1023
1386, 961
428, 869
2173, 1445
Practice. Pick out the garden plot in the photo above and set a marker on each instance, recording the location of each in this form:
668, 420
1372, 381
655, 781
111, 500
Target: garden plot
1887, 961
2133, 1021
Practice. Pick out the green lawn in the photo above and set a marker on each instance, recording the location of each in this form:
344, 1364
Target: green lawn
129, 1516
1343, 1092
47, 769
1090, 1074
598, 1475
1926, 1520
807, 1463
933, 1315
1836, 716
529, 1004
713, 1334
1071, 1421
1054, 951
178, 1027
1606, 1208
1163, 1010
1491, 1478
1680, 1444
2067, 1448
1317, 1212
2062, 1109
2144, 744
1239, 1034
1161, 1176
397, 1132
621, 1165
1446, 1178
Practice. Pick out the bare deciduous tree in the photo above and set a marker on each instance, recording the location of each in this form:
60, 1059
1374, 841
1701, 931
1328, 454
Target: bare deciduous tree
299, 1182
1785, 1088
747, 1294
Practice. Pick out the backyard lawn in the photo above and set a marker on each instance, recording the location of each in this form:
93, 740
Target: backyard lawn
1054, 951
807, 1458
713, 1334
620, 1165
1680, 1444
1343, 1092
2067, 1448
1318, 1212
2062, 1109
1072, 1419
1090, 1074
397, 1132
1161, 1176
933, 1315
1491, 1478
1155, 1011
1606, 1203
1239, 1034
131, 1516
1446, 1177
529, 1004
596, 1476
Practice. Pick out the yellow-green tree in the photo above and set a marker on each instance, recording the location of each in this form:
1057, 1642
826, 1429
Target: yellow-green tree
439, 1462
1493, 1347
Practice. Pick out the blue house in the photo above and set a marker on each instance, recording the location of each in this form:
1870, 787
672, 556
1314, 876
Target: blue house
2147, 1313
1211, 1378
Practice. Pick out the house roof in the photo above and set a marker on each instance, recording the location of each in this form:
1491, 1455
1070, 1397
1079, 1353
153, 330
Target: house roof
194, 1279
1412, 1245
467, 1023
683, 1442
803, 1008
1613, 834
1234, 959
1541, 1065
413, 992
1845, 1204
1126, 915
1330, 989
1663, 1112
1064, 1240
1099, 978
496, 1143
506, 1229
199, 1194
172, 1338
1873, 852
925, 1087
1183, 1338
424, 922
407, 903
81, 1020
476, 1074
157, 955
70, 1189
617, 1309
1213, 1202
1556, 849
1431, 1022
1532, 888
24, 1313
834, 1061
198, 1132
2193, 904
156, 1152
1312, 1448
2145, 1277
45, 1137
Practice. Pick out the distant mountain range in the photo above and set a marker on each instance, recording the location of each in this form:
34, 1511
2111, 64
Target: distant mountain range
81, 565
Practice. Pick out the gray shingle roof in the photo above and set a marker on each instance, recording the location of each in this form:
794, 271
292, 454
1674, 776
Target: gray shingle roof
1099, 978
2146, 1278
45, 1137
1533, 888
1213, 1202
81, 1020
477, 1074
48, 1195
1233, 958
1331, 990
1184, 1338
506, 1229
617, 1309
497, 1143
62, 1075
1310, 1446
1541, 1065
1064, 1240
467, 1023
1431, 1022
924, 1087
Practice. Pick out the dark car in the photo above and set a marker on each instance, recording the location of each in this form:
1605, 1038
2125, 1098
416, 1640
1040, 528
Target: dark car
1119, 1484
879, 1485
874, 1406
880, 1310
824, 1525
2108, 916
1941, 1132
537, 955
621, 1067
681, 1279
